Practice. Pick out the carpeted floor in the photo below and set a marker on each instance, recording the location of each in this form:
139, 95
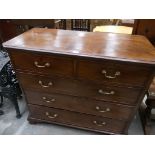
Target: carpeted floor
9, 125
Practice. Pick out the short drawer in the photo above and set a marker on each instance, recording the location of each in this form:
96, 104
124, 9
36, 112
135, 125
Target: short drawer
42, 63
74, 119
99, 108
113, 72
102, 92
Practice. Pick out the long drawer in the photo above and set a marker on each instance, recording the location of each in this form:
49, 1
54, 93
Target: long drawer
41, 63
99, 108
80, 88
113, 72
74, 119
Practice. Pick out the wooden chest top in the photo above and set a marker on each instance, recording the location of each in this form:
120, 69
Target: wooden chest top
132, 48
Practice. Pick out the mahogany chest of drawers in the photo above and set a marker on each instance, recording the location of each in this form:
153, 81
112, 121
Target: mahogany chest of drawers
89, 80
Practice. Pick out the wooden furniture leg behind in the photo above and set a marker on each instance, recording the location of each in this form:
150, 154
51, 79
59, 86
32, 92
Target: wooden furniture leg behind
145, 112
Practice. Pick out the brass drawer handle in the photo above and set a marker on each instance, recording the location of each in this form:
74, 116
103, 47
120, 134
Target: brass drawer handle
99, 109
99, 124
45, 86
49, 116
48, 101
106, 93
110, 77
41, 66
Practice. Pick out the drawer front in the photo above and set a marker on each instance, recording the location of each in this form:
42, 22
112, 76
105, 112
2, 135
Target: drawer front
91, 122
113, 73
82, 105
41, 63
79, 88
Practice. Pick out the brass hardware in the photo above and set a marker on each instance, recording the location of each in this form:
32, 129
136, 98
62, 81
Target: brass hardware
106, 110
110, 77
99, 124
106, 93
45, 86
41, 66
48, 101
49, 116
